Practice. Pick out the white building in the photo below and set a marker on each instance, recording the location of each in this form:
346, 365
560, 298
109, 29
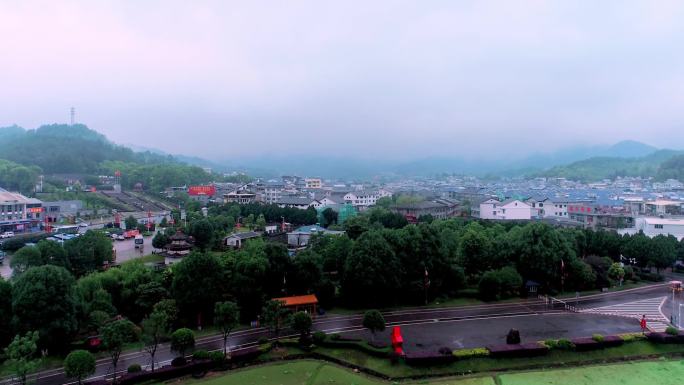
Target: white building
19, 213
365, 198
511, 209
297, 202
653, 226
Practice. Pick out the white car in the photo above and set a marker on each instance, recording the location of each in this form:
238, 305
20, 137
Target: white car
82, 224
7, 234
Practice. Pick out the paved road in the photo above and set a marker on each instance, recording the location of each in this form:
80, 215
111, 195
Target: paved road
125, 250
467, 326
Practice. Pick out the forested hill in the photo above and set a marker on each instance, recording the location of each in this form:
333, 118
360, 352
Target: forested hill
66, 149
60, 148
598, 168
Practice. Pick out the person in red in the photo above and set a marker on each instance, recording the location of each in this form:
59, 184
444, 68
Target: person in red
643, 323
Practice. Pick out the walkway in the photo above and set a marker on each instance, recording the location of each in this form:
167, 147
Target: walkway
651, 307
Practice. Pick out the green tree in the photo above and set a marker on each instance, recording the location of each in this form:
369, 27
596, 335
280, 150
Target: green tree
154, 329
226, 318
115, 336
475, 251
79, 364
131, 222
43, 300
372, 271
301, 323
203, 232
21, 355
198, 282
374, 322
306, 273
510, 280
160, 240
53, 254
489, 286
616, 272
88, 252
182, 340
261, 222
329, 217
5, 312
356, 226
663, 252
639, 248
275, 316
25, 258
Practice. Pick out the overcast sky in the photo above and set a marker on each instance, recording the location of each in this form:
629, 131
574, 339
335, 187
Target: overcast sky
399, 79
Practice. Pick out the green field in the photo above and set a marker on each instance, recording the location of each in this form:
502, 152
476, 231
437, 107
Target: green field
633, 373
314, 373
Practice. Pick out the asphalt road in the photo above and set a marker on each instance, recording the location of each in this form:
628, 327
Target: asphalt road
467, 326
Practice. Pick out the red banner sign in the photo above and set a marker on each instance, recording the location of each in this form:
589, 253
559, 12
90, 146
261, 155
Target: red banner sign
202, 190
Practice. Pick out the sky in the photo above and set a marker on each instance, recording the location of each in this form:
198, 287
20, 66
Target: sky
366, 79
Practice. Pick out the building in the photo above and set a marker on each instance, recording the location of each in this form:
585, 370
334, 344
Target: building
594, 216
653, 226
19, 213
438, 209
313, 183
178, 247
57, 210
242, 197
302, 203
272, 192
301, 236
237, 240
511, 209
663, 207
365, 198
306, 303
202, 193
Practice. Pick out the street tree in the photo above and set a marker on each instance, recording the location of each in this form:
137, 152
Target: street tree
203, 232
182, 340
274, 315
114, 336
616, 272
260, 222
79, 364
160, 240
198, 282
5, 312
154, 329
301, 323
21, 355
226, 318
131, 222
374, 322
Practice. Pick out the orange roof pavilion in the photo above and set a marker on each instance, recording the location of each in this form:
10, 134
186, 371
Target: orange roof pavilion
305, 302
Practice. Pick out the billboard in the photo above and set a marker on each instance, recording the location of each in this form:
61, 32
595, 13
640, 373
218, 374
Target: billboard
202, 190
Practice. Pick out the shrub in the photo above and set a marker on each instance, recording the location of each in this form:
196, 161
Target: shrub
134, 368
471, 353
319, 337
597, 337
671, 330
201, 355
444, 350
262, 340
420, 358
610, 341
179, 361
335, 336
216, 357
631, 337
513, 337
529, 349
564, 344
582, 344
552, 344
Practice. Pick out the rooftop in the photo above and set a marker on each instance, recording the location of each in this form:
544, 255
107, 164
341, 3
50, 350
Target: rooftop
15, 197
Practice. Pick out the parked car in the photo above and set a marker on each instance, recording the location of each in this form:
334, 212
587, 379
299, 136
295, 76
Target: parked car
82, 224
7, 234
120, 237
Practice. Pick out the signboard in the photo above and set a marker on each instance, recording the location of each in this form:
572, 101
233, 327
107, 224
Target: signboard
202, 190
35, 209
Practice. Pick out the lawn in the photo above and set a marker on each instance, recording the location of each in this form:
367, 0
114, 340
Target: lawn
486, 364
633, 373
309, 372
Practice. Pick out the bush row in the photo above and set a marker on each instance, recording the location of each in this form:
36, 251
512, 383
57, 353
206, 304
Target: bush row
528, 349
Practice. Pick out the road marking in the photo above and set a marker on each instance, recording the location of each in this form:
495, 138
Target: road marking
651, 308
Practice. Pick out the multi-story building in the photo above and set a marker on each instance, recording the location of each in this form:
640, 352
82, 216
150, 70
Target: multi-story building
595, 216
511, 209
313, 183
652, 227
19, 213
297, 202
438, 209
364, 198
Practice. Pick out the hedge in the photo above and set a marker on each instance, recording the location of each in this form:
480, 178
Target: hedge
528, 349
470, 353
427, 358
665, 338
356, 344
585, 343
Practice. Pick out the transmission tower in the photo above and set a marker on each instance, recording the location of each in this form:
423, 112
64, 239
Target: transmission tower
73, 116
